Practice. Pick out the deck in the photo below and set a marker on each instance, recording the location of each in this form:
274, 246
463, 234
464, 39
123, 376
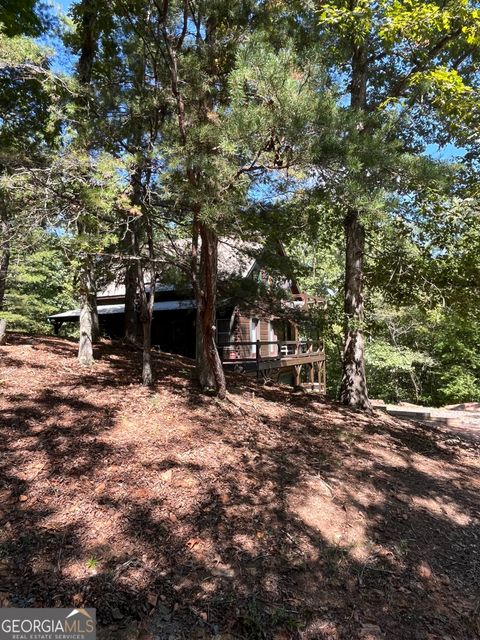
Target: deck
269, 359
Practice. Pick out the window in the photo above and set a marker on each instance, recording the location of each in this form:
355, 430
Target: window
271, 337
223, 331
254, 333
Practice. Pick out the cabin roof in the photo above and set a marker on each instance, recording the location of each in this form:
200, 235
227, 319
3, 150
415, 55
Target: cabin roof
117, 289
111, 309
234, 258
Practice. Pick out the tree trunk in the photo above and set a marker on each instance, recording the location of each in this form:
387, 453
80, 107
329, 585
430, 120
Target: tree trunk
146, 315
92, 302
3, 331
353, 388
140, 180
146, 301
85, 346
132, 243
358, 88
147, 374
131, 325
89, 325
87, 313
203, 269
209, 366
4, 261
89, 12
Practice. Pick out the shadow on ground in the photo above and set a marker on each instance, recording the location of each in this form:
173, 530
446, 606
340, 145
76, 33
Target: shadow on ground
271, 515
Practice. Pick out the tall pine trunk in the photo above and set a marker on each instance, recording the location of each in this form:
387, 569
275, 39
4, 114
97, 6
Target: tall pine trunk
353, 388
209, 366
146, 315
132, 243
147, 301
87, 313
88, 33
147, 373
131, 325
203, 270
92, 293
89, 325
4, 258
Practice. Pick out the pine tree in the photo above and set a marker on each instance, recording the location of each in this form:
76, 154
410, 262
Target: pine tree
29, 125
238, 112
386, 54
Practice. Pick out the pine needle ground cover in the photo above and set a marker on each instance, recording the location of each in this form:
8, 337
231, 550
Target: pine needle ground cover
272, 514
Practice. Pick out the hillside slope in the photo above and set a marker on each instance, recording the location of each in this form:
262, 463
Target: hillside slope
271, 515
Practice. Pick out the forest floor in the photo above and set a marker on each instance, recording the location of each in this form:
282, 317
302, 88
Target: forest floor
272, 515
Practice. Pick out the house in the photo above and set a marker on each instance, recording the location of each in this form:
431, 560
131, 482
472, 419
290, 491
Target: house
251, 336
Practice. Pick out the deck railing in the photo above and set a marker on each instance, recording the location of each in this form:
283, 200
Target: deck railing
268, 349
281, 355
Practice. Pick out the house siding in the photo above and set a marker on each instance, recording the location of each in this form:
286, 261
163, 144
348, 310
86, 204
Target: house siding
241, 332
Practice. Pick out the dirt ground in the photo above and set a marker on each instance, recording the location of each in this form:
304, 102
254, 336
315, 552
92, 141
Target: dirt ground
272, 515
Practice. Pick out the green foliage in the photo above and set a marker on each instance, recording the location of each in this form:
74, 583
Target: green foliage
29, 98
455, 343
39, 284
428, 356
23, 17
457, 385
393, 371
421, 326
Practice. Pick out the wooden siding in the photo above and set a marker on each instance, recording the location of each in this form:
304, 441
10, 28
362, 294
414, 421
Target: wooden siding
243, 335
241, 325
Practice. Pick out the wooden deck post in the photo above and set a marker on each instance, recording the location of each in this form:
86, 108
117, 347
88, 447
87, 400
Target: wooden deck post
311, 374
322, 377
296, 376
311, 370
